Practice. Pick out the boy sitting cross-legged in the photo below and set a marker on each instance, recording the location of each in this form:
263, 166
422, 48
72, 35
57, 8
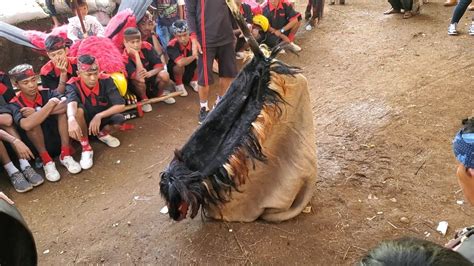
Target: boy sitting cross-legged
36, 111
94, 107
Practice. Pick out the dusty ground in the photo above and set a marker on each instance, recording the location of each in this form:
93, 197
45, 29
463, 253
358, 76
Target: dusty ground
388, 95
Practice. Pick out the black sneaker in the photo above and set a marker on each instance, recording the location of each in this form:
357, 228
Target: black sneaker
20, 183
32, 176
202, 115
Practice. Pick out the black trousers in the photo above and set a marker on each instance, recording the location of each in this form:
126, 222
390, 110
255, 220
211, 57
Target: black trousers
401, 4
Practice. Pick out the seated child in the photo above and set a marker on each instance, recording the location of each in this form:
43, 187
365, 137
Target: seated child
182, 65
283, 19
92, 25
60, 67
94, 107
42, 116
262, 34
25, 179
145, 71
146, 26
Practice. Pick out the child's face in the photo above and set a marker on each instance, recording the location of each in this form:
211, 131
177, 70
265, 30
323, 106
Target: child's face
28, 86
134, 44
83, 10
183, 38
57, 55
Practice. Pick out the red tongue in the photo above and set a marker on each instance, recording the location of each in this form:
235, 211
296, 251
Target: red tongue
183, 210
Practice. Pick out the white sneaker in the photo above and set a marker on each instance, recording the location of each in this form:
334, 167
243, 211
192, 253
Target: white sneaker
146, 108
194, 85
309, 27
452, 29
86, 161
182, 89
471, 30
169, 100
110, 141
72, 166
50, 172
295, 47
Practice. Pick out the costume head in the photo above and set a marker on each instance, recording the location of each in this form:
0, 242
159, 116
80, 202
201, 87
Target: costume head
411, 251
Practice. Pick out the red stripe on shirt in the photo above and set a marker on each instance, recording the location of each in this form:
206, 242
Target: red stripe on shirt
204, 54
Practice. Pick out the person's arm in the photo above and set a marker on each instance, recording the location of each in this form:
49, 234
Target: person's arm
38, 117
185, 61
191, 10
22, 150
74, 129
5, 198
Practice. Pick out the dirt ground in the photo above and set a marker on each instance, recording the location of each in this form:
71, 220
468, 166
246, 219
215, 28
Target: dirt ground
388, 95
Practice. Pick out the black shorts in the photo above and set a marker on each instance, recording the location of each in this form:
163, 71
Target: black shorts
188, 71
225, 56
52, 139
115, 119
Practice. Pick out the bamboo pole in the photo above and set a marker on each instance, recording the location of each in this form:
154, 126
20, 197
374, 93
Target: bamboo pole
153, 100
79, 15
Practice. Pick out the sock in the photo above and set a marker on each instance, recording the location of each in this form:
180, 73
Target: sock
103, 133
204, 104
85, 144
178, 79
65, 151
23, 164
45, 157
10, 168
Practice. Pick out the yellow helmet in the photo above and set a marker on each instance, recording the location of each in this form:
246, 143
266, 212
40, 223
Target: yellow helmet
120, 81
261, 21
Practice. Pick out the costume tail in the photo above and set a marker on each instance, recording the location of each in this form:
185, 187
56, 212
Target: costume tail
16, 35
138, 7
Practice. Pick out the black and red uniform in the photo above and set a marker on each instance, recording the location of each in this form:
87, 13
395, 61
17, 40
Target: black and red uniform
6, 92
176, 51
150, 61
50, 73
49, 126
279, 16
98, 99
211, 22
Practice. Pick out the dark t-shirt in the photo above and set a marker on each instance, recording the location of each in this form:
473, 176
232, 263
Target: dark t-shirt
176, 52
6, 92
50, 74
280, 15
98, 99
20, 101
149, 58
217, 27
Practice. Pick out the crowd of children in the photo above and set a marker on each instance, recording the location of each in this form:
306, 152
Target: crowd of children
70, 99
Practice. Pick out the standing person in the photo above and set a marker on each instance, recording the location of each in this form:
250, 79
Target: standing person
211, 27
458, 12
315, 6
168, 12
284, 20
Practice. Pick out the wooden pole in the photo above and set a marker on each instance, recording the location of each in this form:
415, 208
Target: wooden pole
153, 100
79, 15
